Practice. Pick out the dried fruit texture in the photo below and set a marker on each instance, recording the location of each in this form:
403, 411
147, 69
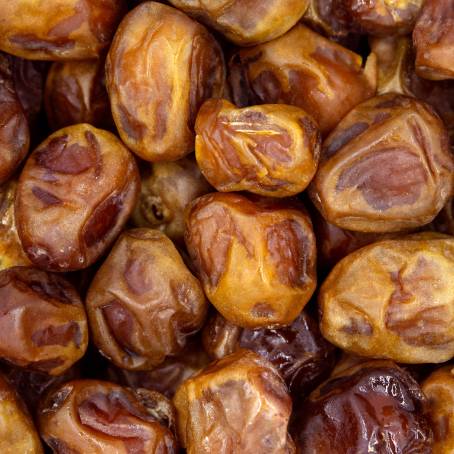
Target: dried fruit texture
372, 407
96, 417
433, 38
298, 351
76, 93
11, 252
161, 66
255, 257
304, 69
143, 303
444, 222
238, 404
271, 150
43, 325
60, 29
386, 167
249, 22
166, 190
393, 299
74, 195
439, 389
17, 433
14, 131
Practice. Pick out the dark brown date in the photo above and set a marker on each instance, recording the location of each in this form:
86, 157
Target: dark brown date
444, 222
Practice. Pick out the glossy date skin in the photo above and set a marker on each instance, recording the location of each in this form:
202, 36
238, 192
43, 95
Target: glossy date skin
93, 416
58, 30
237, 405
402, 309
374, 407
304, 69
143, 302
51, 332
230, 236
270, 150
160, 68
386, 167
84, 176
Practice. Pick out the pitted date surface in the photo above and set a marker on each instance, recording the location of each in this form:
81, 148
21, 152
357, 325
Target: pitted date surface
230, 237
161, 66
75, 193
270, 150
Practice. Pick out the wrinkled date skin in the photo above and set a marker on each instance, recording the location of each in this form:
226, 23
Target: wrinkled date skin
166, 190
237, 405
75, 193
76, 93
161, 66
298, 351
304, 69
374, 407
230, 237
60, 29
246, 23
393, 299
43, 325
14, 131
17, 432
96, 417
433, 38
386, 167
144, 302
271, 150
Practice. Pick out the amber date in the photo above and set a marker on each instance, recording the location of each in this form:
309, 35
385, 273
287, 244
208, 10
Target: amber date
75, 193
271, 150
255, 257
238, 404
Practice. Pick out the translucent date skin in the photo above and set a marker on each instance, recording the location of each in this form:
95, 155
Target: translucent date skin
58, 30
304, 69
14, 130
160, 68
230, 237
246, 23
17, 432
386, 167
76, 93
75, 193
97, 417
270, 150
393, 299
433, 38
373, 407
298, 351
43, 325
143, 302
237, 405
167, 188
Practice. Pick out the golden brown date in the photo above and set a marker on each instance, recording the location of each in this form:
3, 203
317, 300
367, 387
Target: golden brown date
304, 69
75, 193
246, 23
166, 190
161, 66
271, 150
43, 325
386, 167
143, 302
60, 29
255, 257
238, 404
17, 432
433, 38
96, 417
393, 299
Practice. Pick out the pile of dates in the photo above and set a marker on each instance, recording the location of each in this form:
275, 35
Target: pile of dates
227, 227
